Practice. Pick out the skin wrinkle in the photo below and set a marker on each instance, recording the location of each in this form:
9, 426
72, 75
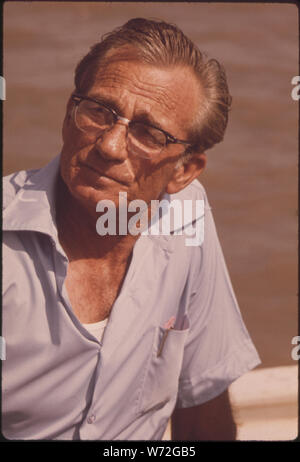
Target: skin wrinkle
129, 54
159, 94
145, 93
154, 91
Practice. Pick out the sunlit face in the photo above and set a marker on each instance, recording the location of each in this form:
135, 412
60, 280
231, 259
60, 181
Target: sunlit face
167, 97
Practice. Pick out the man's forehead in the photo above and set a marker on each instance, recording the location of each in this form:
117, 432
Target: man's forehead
171, 88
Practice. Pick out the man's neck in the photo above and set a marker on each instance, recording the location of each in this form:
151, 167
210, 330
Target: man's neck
77, 232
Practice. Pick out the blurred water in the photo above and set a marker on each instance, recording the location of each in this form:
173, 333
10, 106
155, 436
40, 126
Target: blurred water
251, 178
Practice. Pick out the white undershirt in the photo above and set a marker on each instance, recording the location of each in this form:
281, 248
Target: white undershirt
96, 328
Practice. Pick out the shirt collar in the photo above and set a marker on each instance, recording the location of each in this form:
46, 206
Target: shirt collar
189, 211
33, 207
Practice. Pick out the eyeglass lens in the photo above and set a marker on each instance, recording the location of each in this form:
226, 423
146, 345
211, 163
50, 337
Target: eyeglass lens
96, 119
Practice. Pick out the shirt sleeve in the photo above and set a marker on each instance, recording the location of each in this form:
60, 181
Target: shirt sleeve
218, 349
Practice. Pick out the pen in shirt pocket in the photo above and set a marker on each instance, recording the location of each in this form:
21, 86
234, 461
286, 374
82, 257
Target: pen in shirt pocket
168, 326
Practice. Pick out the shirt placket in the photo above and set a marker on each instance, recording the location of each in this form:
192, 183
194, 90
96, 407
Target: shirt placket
60, 269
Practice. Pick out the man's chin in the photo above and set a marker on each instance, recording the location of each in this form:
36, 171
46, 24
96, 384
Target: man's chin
90, 196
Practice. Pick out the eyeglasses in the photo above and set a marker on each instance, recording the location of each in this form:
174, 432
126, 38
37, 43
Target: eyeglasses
95, 119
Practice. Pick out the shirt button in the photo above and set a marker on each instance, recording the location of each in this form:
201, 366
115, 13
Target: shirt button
91, 419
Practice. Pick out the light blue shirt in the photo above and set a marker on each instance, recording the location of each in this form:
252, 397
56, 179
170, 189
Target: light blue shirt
59, 381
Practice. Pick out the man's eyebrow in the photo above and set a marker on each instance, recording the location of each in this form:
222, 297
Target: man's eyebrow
147, 118
107, 101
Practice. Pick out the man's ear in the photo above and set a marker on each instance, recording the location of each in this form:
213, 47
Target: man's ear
185, 173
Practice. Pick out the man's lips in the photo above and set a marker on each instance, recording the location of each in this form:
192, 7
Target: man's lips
106, 175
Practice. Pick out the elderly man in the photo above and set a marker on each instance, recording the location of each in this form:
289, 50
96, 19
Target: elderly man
108, 336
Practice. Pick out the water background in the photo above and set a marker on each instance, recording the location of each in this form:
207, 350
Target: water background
251, 178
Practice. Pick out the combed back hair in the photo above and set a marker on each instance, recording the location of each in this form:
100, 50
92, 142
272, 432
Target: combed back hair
162, 44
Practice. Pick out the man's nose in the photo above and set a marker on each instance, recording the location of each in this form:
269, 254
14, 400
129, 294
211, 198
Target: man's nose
112, 145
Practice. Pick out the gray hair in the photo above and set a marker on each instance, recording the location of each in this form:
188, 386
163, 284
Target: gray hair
162, 44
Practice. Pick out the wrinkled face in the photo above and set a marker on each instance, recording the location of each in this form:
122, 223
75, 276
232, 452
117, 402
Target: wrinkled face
97, 170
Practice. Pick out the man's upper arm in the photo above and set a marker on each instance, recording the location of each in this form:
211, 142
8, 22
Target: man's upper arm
210, 421
218, 348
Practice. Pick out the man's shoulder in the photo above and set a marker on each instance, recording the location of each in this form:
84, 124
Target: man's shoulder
12, 183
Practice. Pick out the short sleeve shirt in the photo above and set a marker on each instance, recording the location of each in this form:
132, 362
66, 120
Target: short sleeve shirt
59, 381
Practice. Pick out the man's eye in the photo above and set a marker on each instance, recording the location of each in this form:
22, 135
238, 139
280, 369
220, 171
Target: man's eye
148, 135
100, 114
98, 110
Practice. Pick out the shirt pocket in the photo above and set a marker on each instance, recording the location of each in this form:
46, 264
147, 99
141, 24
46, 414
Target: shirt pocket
161, 376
